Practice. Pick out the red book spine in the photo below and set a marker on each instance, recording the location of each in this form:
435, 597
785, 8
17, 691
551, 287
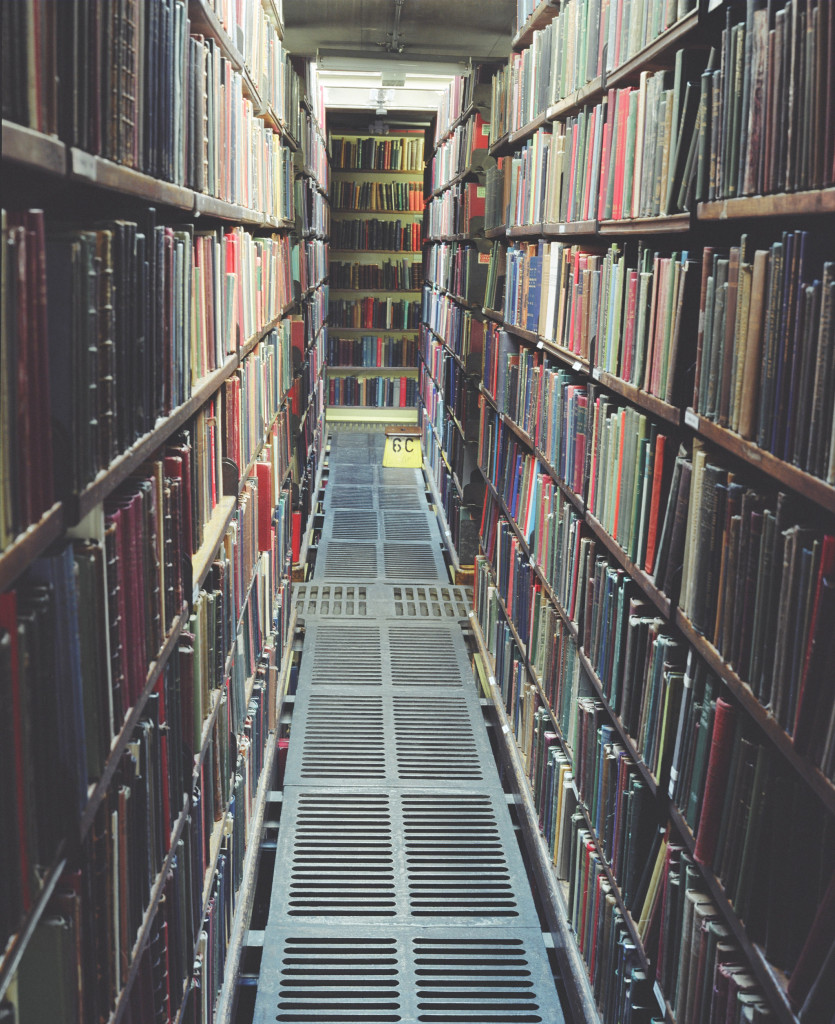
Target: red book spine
263, 472
717, 780
657, 475
297, 536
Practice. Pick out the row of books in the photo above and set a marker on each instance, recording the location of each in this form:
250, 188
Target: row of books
377, 154
462, 92
463, 151
628, 311
459, 268
459, 511
128, 560
461, 329
452, 390
316, 263
372, 350
128, 345
374, 392
457, 210
374, 196
389, 275
373, 234
89, 927
313, 210
315, 151
389, 314
774, 67
176, 110
585, 39
752, 576
662, 719
764, 360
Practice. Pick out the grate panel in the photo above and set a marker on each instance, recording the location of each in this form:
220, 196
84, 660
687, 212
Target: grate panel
410, 561
402, 498
352, 524
426, 753
357, 474
347, 558
431, 602
343, 653
410, 526
394, 476
401, 855
345, 737
331, 599
348, 496
426, 655
390, 974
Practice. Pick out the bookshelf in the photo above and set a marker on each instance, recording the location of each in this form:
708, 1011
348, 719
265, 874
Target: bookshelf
575, 562
455, 267
375, 276
184, 503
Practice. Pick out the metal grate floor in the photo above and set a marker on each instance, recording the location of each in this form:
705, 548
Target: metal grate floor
399, 892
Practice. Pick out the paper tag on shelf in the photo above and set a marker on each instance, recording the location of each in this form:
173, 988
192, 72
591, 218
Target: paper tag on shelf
492, 681
691, 419
659, 995
83, 164
596, 372
505, 729
577, 365
540, 343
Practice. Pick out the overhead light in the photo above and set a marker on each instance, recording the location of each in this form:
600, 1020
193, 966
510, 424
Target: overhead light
415, 64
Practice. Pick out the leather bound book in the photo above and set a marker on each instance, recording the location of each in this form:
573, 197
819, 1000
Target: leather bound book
716, 781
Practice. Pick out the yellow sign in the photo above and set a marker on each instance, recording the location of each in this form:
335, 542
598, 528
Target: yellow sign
402, 449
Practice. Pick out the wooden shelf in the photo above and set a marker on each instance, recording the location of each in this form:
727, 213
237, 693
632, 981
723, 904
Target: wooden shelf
417, 175
370, 414
556, 889
378, 291
498, 147
643, 579
396, 370
372, 330
497, 232
542, 16
98, 789
570, 104
439, 510
22, 145
676, 223
524, 231
95, 170
122, 466
364, 212
657, 54
783, 204
19, 940
213, 533
811, 487
147, 920
773, 984
30, 543
208, 206
246, 891
635, 395
377, 252
576, 227
774, 731
521, 134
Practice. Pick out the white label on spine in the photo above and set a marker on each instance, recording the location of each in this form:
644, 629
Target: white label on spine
691, 419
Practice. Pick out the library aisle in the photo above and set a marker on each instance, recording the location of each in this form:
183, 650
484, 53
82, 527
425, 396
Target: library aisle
400, 893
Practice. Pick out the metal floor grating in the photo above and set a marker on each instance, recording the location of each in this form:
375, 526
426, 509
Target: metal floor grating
398, 855
390, 975
390, 739
414, 601
399, 893
391, 652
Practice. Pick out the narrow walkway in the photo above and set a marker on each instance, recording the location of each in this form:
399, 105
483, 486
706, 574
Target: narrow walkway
399, 893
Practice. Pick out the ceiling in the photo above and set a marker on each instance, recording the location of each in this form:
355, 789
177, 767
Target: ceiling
442, 29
